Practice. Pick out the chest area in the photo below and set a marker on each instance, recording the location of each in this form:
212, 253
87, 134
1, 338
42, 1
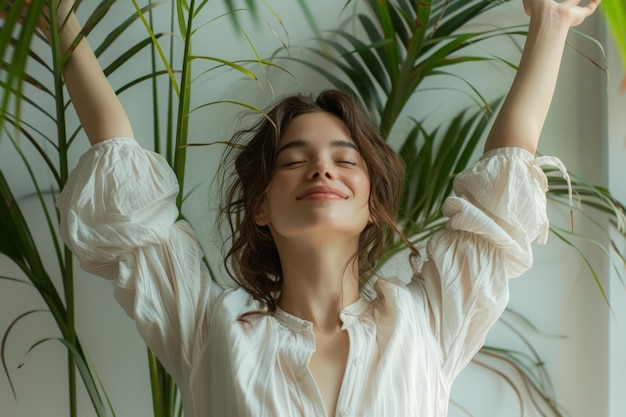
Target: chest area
273, 369
328, 364
300, 373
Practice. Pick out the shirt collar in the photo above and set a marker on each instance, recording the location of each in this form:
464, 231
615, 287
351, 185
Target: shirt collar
348, 316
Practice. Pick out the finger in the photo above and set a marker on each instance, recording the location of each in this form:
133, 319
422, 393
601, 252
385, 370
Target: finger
592, 6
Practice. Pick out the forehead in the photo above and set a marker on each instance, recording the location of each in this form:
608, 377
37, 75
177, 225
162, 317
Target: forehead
315, 129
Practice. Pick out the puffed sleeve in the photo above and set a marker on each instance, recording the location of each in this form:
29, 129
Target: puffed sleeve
118, 216
497, 210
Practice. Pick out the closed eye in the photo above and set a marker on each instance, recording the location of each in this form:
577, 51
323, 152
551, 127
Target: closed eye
292, 163
352, 163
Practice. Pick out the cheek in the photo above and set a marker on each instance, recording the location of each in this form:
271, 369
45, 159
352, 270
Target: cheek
277, 192
366, 192
363, 185
278, 180
276, 184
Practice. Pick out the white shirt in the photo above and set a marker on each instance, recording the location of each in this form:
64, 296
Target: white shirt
406, 347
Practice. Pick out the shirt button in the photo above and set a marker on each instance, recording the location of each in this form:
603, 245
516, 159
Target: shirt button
345, 412
358, 362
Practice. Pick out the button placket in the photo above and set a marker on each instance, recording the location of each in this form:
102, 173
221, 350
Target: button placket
353, 373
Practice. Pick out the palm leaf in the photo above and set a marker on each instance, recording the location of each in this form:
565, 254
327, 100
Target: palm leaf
18, 51
524, 370
16, 240
3, 345
405, 45
251, 7
84, 370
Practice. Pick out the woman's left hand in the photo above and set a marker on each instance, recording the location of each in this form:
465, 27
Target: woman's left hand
569, 11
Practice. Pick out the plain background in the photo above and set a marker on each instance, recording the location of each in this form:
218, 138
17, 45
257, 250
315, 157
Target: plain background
580, 340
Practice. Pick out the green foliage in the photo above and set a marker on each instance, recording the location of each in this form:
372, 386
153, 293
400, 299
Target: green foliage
17, 241
405, 43
22, 84
615, 14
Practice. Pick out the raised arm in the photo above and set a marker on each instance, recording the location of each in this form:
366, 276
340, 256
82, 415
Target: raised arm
521, 118
98, 108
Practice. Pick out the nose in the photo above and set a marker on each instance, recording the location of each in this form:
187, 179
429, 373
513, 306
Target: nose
321, 168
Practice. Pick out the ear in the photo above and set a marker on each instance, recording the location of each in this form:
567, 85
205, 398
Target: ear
261, 214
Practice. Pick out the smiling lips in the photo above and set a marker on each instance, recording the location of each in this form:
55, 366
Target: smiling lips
322, 193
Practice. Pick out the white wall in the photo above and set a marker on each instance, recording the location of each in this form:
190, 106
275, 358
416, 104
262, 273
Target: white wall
558, 295
616, 158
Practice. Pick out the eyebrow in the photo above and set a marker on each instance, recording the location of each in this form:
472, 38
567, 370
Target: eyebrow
301, 143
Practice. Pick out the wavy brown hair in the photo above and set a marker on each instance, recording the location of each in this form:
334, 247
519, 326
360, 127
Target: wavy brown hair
247, 168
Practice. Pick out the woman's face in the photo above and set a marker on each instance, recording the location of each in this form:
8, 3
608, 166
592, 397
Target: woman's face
320, 183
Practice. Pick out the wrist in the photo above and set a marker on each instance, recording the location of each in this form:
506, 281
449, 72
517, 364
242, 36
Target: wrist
547, 28
68, 27
552, 16
66, 21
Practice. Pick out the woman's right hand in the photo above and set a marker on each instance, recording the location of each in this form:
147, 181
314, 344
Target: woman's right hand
99, 110
64, 9
42, 24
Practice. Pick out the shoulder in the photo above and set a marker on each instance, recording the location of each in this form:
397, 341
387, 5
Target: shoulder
392, 294
234, 302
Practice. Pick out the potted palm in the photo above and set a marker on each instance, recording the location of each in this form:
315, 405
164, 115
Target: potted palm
32, 89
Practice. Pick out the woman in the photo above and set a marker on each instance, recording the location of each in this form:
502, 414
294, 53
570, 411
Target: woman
308, 332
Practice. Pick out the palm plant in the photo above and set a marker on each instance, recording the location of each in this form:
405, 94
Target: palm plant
17, 241
27, 95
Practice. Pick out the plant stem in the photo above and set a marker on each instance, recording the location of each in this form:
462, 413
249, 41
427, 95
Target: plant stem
155, 93
68, 285
67, 273
170, 99
155, 385
183, 107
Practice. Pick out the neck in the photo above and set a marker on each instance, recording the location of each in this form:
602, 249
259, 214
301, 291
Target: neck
319, 280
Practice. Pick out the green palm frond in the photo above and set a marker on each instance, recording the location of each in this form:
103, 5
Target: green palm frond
432, 159
39, 86
251, 6
404, 43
